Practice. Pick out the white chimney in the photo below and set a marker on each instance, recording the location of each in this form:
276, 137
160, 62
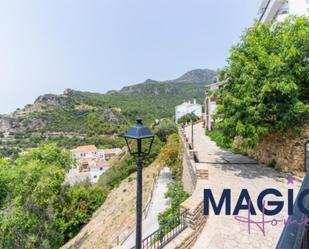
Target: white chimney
194, 101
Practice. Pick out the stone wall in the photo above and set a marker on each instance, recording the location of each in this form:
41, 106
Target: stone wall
288, 151
195, 220
188, 173
193, 173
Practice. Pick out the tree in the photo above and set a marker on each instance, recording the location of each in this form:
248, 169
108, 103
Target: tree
188, 118
37, 177
5, 178
165, 128
37, 209
266, 81
93, 124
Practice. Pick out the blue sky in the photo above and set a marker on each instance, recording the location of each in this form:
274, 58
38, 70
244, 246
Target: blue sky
99, 45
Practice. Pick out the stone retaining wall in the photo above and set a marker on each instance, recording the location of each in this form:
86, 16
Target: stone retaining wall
195, 220
193, 206
288, 151
188, 174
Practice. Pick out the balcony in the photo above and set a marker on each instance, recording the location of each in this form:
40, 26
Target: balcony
269, 9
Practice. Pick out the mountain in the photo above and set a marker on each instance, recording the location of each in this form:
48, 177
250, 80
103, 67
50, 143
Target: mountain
197, 76
75, 114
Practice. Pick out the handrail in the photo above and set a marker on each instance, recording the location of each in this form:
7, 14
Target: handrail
295, 234
165, 233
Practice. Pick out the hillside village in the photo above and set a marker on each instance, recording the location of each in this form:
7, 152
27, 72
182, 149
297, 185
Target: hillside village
91, 163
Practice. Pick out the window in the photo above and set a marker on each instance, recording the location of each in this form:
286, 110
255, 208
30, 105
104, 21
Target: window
94, 176
101, 168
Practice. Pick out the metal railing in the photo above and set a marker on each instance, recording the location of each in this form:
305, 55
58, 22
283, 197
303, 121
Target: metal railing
296, 234
165, 233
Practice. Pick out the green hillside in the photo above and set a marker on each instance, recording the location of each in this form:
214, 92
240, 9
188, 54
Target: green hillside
76, 118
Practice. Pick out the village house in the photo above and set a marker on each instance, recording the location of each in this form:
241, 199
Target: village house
188, 108
110, 153
269, 10
210, 104
91, 163
87, 151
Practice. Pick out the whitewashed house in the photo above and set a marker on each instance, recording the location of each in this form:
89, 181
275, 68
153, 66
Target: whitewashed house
110, 153
187, 108
90, 163
210, 104
97, 169
268, 10
87, 151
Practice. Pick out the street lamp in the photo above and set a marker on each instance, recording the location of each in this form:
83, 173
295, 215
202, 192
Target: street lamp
192, 134
307, 155
134, 137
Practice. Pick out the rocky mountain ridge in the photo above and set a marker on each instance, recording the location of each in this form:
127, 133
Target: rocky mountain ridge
196, 76
68, 112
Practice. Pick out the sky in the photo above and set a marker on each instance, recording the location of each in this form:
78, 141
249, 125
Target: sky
100, 45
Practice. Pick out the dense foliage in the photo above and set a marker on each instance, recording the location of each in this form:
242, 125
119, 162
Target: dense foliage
224, 142
37, 210
177, 195
112, 112
188, 118
171, 155
266, 81
23, 141
164, 128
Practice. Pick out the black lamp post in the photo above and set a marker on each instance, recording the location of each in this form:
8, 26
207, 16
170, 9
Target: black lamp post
192, 134
134, 139
307, 156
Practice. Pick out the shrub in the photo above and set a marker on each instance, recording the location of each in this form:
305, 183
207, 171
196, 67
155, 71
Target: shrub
188, 118
171, 156
165, 128
266, 81
177, 195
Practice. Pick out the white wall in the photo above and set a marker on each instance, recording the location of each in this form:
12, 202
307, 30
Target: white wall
299, 7
275, 7
96, 172
99, 153
184, 109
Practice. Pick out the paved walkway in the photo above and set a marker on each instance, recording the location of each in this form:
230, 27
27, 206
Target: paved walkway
236, 172
158, 204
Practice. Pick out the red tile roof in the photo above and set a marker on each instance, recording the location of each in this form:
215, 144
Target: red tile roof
86, 148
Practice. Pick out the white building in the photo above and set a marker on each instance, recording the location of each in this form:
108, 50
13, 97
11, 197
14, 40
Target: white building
90, 169
269, 10
187, 108
91, 163
210, 104
87, 151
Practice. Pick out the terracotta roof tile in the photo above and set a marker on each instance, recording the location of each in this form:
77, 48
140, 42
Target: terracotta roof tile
85, 148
